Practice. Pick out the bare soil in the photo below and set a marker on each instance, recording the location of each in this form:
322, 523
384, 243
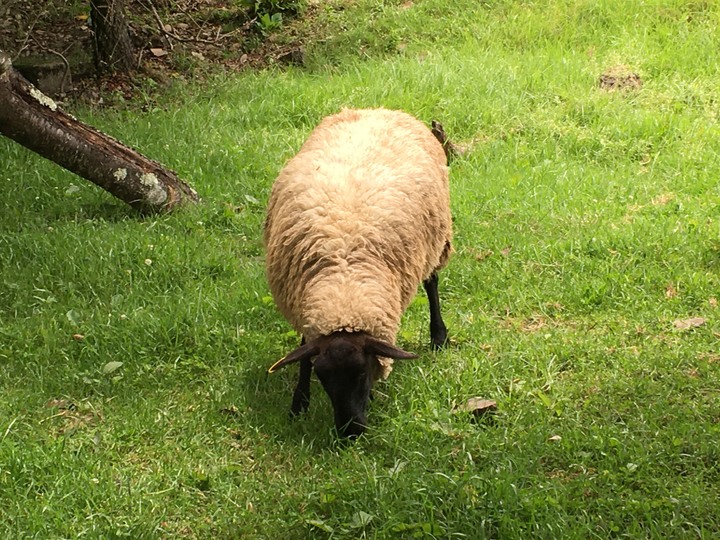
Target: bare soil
186, 39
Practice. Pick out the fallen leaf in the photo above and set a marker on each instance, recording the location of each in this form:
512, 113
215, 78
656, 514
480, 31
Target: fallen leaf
686, 324
713, 302
111, 366
555, 438
158, 53
670, 291
478, 406
78, 337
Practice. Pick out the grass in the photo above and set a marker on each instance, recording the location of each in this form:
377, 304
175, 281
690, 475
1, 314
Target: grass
587, 223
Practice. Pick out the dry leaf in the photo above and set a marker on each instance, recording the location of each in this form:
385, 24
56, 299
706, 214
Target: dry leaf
670, 291
713, 302
158, 53
686, 324
478, 406
78, 337
555, 438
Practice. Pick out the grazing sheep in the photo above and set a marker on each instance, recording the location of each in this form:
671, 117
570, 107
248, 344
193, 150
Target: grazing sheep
356, 221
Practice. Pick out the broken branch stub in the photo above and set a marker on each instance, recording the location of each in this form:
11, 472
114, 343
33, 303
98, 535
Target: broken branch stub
35, 121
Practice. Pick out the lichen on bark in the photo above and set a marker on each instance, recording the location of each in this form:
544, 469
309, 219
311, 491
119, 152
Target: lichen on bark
156, 194
42, 99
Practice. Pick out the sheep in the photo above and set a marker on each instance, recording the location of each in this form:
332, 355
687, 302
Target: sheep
355, 222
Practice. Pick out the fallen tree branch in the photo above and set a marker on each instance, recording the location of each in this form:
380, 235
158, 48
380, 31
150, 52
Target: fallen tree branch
35, 121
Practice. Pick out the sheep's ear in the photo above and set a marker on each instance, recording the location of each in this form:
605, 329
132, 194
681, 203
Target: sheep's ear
382, 348
301, 353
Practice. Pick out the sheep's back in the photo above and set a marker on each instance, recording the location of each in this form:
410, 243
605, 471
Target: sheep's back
367, 196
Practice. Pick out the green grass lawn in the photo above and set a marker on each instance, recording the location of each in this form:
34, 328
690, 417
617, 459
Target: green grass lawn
134, 398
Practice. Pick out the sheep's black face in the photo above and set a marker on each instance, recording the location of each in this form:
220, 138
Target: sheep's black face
346, 364
346, 372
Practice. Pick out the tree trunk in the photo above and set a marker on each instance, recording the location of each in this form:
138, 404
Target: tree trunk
35, 121
113, 50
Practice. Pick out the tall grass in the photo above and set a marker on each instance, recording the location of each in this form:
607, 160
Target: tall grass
587, 226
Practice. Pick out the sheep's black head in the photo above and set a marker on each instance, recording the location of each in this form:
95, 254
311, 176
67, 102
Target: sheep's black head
347, 365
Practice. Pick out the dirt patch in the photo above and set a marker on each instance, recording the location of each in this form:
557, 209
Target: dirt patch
620, 77
189, 39
68, 417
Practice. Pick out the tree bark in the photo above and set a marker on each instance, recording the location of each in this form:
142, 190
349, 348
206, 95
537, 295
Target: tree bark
35, 121
113, 49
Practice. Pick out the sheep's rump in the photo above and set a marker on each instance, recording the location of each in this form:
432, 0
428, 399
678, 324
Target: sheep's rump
356, 221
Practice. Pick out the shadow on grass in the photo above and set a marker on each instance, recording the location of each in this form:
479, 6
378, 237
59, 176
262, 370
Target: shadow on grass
260, 402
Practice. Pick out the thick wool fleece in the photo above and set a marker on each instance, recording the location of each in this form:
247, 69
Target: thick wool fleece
356, 221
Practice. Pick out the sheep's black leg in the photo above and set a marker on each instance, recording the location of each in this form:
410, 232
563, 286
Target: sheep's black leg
438, 330
301, 396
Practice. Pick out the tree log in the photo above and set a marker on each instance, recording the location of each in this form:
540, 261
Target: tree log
32, 119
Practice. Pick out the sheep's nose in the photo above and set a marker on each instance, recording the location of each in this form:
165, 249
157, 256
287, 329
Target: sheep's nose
353, 429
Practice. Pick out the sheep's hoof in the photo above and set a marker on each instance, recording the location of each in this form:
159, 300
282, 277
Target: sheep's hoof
439, 340
299, 405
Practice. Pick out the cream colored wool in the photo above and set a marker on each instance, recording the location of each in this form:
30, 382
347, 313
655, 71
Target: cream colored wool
356, 221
